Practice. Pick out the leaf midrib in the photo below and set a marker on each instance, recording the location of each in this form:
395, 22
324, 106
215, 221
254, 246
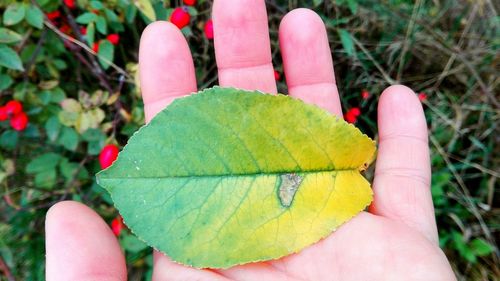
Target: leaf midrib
235, 175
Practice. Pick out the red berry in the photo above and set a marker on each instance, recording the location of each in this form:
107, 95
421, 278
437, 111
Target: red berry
277, 75
365, 94
117, 225
349, 117
53, 15
70, 3
3, 113
19, 121
422, 96
83, 30
190, 2
13, 107
95, 47
113, 38
180, 17
65, 29
209, 29
108, 155
355, 111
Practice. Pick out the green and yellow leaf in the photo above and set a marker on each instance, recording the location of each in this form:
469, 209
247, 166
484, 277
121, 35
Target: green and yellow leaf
226, 177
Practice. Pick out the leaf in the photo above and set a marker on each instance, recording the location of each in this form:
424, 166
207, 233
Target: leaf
481, 247
10, 59
101, 25
353, 6
346, 40
68, 138
106, 53
9, 139
227, 177
86, 18
90, 34
9, 36
53, 127
146, 9
13, 14
34, 16
132, 244
5, 82
43, 162
96, 5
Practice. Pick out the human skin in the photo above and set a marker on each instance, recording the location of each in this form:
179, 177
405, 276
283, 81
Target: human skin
395, 240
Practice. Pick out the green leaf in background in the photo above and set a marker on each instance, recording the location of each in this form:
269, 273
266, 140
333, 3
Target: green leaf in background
132, 243
227, 177
146, 9
96, 5
5, 82
353, 6
10, 59
101, 25
106, 53
9, 36
52, 127
43, 162
346, 40
13, 14
480, 247
34, 16
90, 33
86, 18
9, 139
68, 138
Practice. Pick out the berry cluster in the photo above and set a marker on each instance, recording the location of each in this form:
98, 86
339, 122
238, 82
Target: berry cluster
181, 18
13, 110
56, 18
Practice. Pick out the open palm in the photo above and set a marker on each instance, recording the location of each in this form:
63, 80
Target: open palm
396, 240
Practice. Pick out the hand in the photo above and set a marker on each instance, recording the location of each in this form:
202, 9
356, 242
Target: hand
396, 240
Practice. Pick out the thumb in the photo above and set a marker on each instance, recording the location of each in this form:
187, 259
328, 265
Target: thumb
80, 245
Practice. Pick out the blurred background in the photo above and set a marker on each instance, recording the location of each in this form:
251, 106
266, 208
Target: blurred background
70, 98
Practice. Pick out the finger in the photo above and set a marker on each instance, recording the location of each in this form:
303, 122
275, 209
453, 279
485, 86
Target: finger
165, 67
165, 269
402, 175
261, 271
242, 47
80, 245
307, 60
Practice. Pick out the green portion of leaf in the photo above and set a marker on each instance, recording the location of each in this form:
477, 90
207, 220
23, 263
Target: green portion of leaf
10, 59
86, 18
9, 139
347, 42
34, 16
90, 33
481, 248
5, 82
53, 127
9, 36
106, 53
226, 177
13, 14
68, 138
146, 9
43, 162
132, 244
101, 25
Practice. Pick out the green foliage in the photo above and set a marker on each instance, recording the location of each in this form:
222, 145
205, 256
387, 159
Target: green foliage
78, 101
